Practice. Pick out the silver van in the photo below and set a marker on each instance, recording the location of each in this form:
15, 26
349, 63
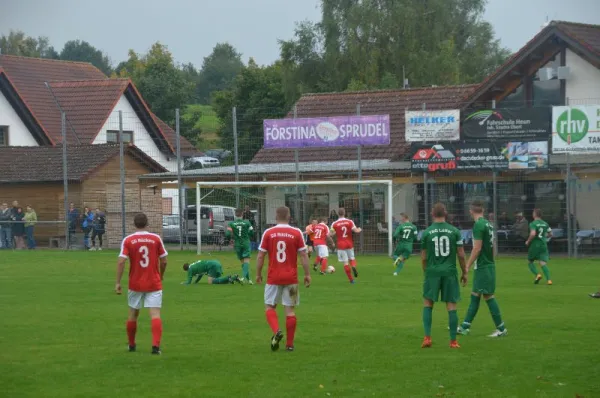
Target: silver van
213, 223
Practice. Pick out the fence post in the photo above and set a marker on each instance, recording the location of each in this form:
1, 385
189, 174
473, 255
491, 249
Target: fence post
63, 121
298, 220
235, 154
426, 199
122, 163
574, 227
495, 199
179, 187
360, 199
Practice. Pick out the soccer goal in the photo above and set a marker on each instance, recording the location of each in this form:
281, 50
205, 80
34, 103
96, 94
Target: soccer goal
367, 203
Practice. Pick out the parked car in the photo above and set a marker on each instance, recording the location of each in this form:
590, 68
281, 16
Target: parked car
200, 162
220, 154
213, 223
170, 229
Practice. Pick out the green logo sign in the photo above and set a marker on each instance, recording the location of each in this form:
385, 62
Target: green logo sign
572, 125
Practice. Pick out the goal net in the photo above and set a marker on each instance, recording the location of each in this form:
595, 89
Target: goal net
367, 203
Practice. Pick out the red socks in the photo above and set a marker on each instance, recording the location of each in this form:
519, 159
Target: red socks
156, 331
290, 325
272, 320
317, 260
323, 264
353, 263
131, 329
348, 272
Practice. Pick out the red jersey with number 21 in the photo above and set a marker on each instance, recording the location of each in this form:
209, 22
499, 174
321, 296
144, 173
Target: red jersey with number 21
320, 234
343, 231
144, 249
282, 243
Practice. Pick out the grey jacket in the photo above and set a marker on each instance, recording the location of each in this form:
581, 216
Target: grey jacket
6, 215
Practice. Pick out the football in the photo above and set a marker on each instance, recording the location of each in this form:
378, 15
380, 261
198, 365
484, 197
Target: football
330, 269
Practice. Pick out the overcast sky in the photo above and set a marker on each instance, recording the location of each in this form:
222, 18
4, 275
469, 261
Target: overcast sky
191, 28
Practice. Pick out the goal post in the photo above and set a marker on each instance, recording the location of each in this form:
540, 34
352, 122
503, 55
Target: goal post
215, 201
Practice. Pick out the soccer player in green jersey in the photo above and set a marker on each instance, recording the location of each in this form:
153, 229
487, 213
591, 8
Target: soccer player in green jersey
212, 268
484, 282
242, 231
539, 232
405, 235
441, 243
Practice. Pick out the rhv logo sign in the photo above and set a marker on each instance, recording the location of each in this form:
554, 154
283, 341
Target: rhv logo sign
435, 158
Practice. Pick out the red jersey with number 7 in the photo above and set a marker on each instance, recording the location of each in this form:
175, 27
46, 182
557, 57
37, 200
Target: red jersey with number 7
282, 243
143, 249
343, 231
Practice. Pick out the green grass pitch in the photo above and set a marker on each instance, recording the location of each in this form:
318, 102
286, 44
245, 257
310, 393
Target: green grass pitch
62, 334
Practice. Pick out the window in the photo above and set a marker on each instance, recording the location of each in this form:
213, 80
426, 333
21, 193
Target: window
514, 100
113, 136
309, 205
547, 93
3, 135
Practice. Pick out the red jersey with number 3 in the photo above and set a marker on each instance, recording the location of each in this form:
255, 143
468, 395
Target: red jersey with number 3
320, 234
282, 243
343, 231
143, 249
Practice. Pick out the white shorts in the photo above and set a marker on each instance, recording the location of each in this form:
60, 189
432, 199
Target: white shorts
151, 299
288, 295
322, 251
344, 255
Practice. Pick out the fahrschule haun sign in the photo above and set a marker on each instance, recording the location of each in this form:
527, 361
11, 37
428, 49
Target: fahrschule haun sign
526, 124
327, 131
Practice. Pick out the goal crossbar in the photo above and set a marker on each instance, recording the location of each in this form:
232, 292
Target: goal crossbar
241, 184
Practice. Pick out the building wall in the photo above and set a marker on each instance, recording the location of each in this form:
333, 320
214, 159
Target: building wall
141, 137
583, 85
18, 134
587, 199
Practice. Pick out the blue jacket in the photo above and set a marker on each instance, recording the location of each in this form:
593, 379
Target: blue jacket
88, 219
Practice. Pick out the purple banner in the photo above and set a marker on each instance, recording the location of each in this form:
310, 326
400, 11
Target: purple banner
327, 131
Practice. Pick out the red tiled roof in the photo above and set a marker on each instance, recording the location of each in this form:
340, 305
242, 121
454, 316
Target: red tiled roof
392, 102
585, 34
187, 149
44, 163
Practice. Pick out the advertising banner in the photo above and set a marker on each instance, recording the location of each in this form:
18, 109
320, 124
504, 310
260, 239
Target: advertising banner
423, 126
477, 156
526, 124
576, 129
327, 131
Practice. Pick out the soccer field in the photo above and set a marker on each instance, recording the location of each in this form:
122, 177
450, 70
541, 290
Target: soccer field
62, 334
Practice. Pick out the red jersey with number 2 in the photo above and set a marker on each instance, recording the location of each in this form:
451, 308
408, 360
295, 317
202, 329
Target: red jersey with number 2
282, 243
343, 231
143, 249
320, 234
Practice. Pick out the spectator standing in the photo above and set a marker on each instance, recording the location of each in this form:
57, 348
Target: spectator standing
86, 226
6, 218
98, 228
73, 221
333, 217
19, 229
30, 219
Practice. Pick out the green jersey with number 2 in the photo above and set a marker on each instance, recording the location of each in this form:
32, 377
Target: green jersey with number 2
441, 241
483, 230
541, 229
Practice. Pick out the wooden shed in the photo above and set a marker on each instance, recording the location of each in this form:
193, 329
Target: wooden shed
34, 176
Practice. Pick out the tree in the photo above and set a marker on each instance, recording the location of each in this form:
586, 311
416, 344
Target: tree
160, 81
17, 43
257, 94
218, 71
77, 50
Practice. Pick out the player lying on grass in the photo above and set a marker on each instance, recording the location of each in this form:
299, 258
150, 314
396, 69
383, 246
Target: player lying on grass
321, 240
212, 268
404, 235
539, 232
440, 244
242, 232
282, 244
595, 295
484, 282
343, 229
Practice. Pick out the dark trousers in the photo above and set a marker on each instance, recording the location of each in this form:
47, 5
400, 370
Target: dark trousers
99, 234
30, 239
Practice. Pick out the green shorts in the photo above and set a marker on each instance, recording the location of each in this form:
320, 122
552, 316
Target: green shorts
215, 271
484, 280
242, 252
538, 252
447, 286
403, 250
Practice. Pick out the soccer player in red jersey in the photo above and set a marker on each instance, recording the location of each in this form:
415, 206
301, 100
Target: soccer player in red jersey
344, 228
320, 240
282, 243
147, 263
309, 235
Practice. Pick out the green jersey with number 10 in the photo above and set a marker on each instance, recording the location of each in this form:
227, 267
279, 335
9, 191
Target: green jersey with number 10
483, 230
441, 241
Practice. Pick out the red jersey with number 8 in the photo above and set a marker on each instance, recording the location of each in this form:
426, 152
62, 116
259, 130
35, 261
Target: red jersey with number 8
143, 249
282, 243
343, 231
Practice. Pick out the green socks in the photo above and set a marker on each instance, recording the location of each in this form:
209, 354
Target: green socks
471, 311
546, 272
399, 265
532, 268
246, 271
221, 281
427, 318
453, 324
495, 311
